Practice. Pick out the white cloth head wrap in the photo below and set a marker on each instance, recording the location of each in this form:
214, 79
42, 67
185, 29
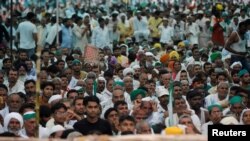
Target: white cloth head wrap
11, 115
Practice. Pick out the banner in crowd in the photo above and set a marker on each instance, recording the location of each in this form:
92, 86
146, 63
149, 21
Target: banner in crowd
91, 54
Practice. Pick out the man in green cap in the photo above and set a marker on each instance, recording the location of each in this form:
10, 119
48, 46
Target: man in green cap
77, 72
30, 125
236, 106
244, 79
215, 116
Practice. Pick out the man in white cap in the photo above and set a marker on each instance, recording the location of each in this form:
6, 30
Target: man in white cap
30, 125
54, 99
13, 123
163, 97
56, 131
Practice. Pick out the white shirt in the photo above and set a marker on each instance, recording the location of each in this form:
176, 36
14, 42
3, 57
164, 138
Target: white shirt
26, 30
166, 34
100, 37
204, 127
140, 25
18, 87
213, 99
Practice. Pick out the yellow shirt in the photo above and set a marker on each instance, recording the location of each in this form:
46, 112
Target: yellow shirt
125, 30
153, 26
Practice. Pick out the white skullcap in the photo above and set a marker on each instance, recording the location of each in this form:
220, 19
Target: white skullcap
11, 115
146, 99
77, 88
187, 11
165, 19
229, 121
200, 12
105, 17
156, 71
237, 11
122, 14
85, 15
115, 12
101, 78
69, 13
149, 54
56, 128
136, 67
161, 91
54, 97
236, 63
127, 70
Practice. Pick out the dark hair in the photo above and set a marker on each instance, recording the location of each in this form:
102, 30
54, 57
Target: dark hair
66, 133
127, 133
44, 111
48, 83
7, 134
30, 16
127, 117
4, 86
5, 60
163, 71
205, 64
22, 65
30, 81
58, 106
69, 58
52, 69
106, 114
88, 99
71, 91
26, 106
211, 71
193, 93
108, 74
221, 73
242, 24
77, 98
120, 103
58, 61
100, 20
194, 48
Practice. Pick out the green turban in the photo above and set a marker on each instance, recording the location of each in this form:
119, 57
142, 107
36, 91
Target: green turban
215, 56
29, 115
120, 83
242, 72
235, 100
76, 61
215, 105
137, 92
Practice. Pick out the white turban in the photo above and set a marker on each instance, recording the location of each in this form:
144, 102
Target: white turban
56, 128
229, 121
241, 116
54, 97
236, 63
85, 15
136, 67
11, 115
127, 70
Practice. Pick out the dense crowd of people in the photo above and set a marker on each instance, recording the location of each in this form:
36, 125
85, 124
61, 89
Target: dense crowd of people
163, 67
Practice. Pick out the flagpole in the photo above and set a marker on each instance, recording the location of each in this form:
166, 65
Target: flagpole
57, 22
170, 110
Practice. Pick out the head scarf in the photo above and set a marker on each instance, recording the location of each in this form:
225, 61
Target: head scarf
241, 116
11, 115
